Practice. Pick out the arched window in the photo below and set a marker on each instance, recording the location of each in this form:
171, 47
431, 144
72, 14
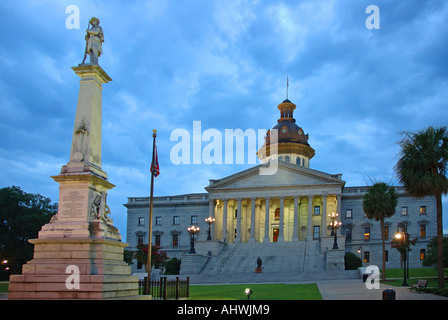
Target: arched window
277, 214
303, 162
298, 161
280, 158
287, 158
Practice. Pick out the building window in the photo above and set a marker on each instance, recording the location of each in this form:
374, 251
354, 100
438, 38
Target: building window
422, 209
158, 240
236, 213
317, 210
287, 159
386, 232
316, 232
366, 233
280, 158
175, 220
366, 257
158, 221
141, 221
303, 162
422, 254
194, 219
139, 265
348, 213
277, 214
175, 240
140, 239
298, 161
386, 258
404, 211
348, 234
423, 231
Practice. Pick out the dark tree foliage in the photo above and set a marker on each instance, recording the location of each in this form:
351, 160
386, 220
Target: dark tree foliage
22, 216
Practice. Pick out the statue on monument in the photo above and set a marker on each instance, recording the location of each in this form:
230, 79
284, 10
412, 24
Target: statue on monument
94, 41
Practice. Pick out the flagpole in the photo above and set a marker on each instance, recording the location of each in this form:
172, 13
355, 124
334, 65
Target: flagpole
150, 212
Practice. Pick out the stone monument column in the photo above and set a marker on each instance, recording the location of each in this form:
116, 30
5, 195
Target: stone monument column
79, 253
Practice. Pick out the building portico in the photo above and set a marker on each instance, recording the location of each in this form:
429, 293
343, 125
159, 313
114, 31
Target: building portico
268, 212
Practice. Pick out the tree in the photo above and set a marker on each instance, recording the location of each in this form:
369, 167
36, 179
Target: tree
379, 203
158, 258
22, 216
422, 170
431, 254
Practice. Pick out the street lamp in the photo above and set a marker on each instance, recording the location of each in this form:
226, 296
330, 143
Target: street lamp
209, 220
334, 226
248, 292
402, 236
193, 230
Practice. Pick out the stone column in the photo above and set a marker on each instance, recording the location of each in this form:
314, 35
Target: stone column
282, 214
266, 220
310, 219
211, 213
323, 227
224, 220
252, 221
238, 221
295, 232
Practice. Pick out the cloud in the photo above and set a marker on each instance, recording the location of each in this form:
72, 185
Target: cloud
225, 64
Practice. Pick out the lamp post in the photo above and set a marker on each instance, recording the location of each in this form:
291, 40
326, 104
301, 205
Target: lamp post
209, 220
193, 230
402, 236
334, 226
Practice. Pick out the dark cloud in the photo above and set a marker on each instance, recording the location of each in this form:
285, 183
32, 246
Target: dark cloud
224, 64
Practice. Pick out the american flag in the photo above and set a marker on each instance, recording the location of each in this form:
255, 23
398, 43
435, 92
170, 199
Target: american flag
155, 166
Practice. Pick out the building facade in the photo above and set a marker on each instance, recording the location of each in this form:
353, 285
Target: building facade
280, 206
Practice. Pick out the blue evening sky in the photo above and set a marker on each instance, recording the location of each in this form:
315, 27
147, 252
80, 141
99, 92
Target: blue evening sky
223, 63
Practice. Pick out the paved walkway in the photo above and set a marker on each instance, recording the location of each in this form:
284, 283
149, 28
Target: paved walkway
355, 289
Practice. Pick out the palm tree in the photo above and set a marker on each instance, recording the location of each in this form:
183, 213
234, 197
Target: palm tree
379, 203
422, 170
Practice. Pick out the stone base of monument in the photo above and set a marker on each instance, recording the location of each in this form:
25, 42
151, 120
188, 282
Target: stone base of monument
75, 269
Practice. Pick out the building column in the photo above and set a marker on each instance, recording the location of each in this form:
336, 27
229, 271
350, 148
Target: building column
309, 226
211, 213
282, 214
224, 220
295, 232
323, 227
266, 220
238, 221
252, 221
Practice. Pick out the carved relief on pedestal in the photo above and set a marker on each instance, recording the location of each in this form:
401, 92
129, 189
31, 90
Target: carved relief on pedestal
79, 142
99, 210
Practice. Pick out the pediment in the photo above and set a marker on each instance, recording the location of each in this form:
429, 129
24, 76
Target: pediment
286, 175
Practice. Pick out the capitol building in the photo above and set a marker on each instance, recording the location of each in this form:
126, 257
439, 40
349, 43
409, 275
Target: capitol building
281, 217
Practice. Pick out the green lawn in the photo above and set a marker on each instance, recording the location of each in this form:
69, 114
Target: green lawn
4, 286
260, 292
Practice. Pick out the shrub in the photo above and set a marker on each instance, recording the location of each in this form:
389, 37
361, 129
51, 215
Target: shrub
352, 261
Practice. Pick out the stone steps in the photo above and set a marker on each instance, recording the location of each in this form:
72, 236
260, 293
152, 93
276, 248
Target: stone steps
288, 257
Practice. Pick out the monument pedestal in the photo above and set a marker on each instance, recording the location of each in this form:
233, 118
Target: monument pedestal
79, 253
75, 269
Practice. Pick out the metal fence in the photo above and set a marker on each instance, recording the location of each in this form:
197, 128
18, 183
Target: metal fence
163, 288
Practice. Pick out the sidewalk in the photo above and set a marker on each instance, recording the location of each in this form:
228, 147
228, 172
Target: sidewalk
355, 289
